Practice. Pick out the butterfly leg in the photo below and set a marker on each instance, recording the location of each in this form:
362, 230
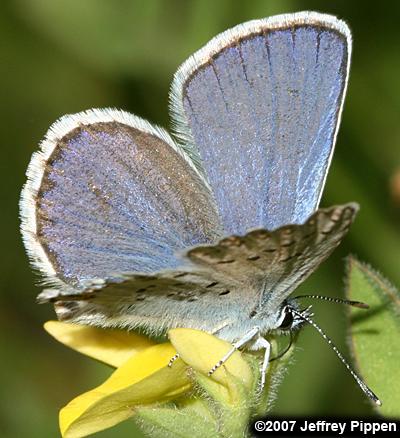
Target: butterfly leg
242, 341
213, 332
262, 343
173, 359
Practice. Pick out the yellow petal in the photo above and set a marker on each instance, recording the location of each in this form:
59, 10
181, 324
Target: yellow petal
143, 379
202, 351
113, 347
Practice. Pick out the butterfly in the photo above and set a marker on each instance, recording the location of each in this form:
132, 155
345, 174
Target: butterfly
212, 228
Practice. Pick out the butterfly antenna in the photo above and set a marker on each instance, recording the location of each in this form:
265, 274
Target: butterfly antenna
358, 304
360, 383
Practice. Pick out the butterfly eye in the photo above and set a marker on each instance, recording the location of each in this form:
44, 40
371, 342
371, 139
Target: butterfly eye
287, 322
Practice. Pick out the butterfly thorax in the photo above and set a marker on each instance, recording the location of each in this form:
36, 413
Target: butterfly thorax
269, 321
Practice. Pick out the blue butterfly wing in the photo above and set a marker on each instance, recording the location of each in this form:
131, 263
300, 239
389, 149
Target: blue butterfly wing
108, 194
259, 106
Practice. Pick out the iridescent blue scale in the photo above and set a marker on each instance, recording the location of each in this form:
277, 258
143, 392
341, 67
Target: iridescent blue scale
263, 114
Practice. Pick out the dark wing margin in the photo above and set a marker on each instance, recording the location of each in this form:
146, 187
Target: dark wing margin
109, 193
259, 107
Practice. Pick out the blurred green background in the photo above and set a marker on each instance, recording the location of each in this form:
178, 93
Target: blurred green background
64, 56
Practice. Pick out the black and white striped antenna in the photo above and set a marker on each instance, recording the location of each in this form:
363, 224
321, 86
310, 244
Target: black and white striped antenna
305, 316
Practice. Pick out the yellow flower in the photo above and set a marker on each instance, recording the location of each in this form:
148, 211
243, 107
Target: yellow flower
142, 378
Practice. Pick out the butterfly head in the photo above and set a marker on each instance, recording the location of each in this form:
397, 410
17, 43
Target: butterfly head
289, 318
292, 317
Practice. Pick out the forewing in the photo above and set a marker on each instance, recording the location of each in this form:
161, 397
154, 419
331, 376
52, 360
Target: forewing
223, 283
260, 105
109, 193
275, 263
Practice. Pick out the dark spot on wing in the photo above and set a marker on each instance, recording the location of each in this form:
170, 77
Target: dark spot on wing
214, 283
225, 292
270, 250
182, 274
285, 259
255, 257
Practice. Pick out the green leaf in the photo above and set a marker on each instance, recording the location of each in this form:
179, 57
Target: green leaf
191, 419
374, 333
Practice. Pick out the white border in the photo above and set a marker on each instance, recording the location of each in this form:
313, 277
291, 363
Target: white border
179, 121
37, 166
